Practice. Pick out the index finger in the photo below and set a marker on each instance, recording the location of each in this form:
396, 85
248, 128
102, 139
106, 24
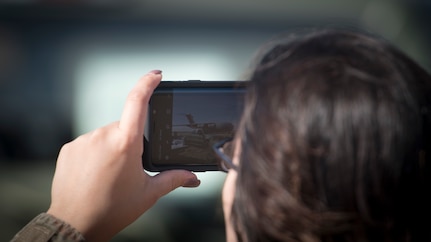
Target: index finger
135, 110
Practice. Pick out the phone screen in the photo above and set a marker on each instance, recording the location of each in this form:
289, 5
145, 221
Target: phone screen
185, 122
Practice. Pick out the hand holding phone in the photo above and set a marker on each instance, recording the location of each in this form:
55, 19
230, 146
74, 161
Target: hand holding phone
99, 186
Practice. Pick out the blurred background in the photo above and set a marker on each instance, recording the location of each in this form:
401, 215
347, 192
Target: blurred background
66, 68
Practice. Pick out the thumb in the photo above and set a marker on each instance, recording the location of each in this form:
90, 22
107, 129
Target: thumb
168, 181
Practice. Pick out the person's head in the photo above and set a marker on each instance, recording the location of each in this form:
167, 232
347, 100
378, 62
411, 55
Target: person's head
334, 143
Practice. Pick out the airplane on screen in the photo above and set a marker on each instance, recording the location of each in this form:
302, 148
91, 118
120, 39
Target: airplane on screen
199, 134
207, 127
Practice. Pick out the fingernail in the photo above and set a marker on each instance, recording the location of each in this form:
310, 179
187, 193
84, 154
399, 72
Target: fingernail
157, 72
192, 182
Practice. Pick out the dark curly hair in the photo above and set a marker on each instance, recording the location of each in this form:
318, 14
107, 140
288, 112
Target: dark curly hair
335, 143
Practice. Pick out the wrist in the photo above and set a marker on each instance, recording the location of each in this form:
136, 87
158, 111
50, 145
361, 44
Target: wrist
48, 228
83, 224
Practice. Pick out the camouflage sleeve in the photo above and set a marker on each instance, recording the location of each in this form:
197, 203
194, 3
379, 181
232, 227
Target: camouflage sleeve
47, 228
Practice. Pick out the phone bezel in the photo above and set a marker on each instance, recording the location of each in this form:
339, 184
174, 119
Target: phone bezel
165, 86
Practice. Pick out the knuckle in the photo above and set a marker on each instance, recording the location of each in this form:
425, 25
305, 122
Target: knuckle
65, 148
124, 145
137, 96
128, 144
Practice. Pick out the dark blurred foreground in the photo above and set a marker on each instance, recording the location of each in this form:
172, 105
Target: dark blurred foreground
25, 192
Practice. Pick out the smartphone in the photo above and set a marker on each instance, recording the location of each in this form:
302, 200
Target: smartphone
185, 119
